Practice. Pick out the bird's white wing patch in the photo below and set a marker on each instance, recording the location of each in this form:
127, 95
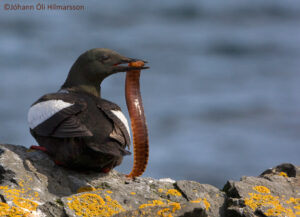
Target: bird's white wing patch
40, 112
122, 117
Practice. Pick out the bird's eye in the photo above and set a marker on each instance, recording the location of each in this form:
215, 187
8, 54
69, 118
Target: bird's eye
104, 58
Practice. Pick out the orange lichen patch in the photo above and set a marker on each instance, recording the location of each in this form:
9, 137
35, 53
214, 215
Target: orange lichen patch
173, 192
297, 209
6, 210
204, 201
152, 203
283, 174
17, 193
25, 204
36, 194
257, 200
86, 189
21, 183
167, 212
164, 212
294, 201
296, 204
3, 187
132, 193
279, 210
167, 207
89, 205
24, 199
261, 189
175, 206
109, 192
280, 206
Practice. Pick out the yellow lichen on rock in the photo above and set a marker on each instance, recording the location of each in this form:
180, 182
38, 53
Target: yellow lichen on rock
261, 189
168, 208
196, 201
86, 189
89, 205
280, 211
152, 203
25, 204
172, 191
21, 183
12, 193
293, 200
175, 206
279, 205
3, 187
256, 200
296, 203
204, 201
6, 210
283, 174
165, 212
23, 200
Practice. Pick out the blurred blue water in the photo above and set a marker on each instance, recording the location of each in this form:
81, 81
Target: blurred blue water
221, 97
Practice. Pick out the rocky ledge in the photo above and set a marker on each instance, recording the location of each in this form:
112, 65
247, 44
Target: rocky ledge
32, 185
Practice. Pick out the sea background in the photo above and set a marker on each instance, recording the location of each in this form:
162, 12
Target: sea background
222, 97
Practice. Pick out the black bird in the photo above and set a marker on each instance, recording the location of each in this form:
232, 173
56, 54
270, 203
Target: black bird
75, 126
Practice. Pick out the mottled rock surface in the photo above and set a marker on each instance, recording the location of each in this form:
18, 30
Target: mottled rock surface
32, 185
276, 192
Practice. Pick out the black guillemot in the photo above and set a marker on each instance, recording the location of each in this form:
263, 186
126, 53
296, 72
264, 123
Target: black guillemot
75, 126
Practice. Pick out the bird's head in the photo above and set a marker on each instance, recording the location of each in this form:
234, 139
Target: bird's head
93, 66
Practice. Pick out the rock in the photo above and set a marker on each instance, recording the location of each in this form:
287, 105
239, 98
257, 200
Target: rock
289, 169
212, 198
32, 185
53, 209
274, 193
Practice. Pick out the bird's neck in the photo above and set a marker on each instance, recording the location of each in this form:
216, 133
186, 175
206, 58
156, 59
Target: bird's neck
78, 83
87, 89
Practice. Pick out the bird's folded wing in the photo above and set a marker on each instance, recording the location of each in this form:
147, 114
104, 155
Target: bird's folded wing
120, 132
56, 115
109, 148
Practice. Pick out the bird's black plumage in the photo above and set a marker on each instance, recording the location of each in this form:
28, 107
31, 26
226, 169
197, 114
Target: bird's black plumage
85, 135
75, 125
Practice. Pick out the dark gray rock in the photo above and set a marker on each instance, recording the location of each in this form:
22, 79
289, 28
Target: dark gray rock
273, 193
53, 209
289, 169
6, 176
31, 184
212, 198
187, 210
